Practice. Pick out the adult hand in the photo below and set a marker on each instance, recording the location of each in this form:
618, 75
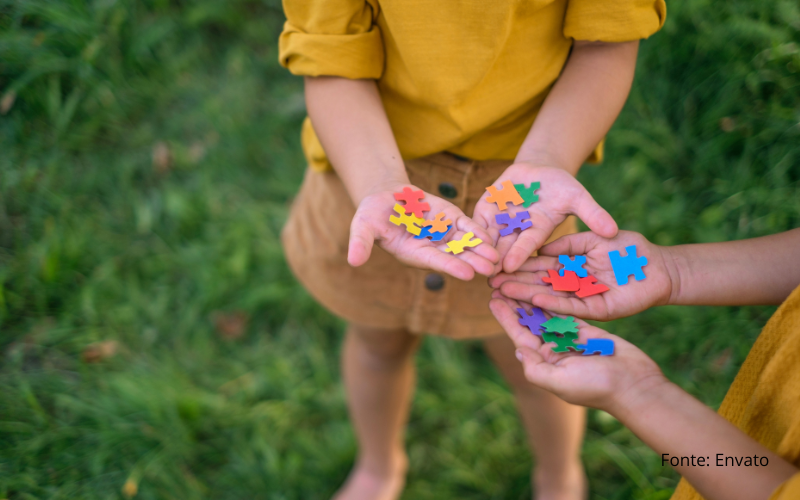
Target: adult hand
560, 195
604, 382
657, 288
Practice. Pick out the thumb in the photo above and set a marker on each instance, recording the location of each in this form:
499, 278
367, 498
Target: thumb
361, 241
538, 371
593, 215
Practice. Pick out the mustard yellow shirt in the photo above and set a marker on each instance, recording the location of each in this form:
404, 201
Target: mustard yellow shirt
764, 400
464, 76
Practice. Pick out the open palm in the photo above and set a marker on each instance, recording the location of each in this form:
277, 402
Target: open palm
594, 381
371, 224
619, 301
560, 195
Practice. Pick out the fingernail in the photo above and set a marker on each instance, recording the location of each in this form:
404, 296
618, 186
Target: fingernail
518, 354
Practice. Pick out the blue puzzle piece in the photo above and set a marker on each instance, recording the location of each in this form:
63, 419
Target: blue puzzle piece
533, 321
573, 265
625, 266
603, 347
519, 221
426, 233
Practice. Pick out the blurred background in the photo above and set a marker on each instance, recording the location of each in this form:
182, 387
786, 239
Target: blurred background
153, 343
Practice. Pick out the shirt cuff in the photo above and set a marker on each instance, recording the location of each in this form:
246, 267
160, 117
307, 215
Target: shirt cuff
613, 21
353, 56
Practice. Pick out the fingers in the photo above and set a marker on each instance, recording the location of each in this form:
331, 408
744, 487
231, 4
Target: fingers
528, 242
570, 244
504, 245
539, 263
430, 257
477, 261
595, 216
505, 312
570, 306
361, 241
521, 276
525, 292
485, 250
538, 371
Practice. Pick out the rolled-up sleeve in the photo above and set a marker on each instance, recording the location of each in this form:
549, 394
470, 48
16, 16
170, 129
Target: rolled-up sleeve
332, 38
613, 20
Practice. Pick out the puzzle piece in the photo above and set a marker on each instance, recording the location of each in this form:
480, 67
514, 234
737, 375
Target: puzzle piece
561, 325
408, 220
413, 205
625, 266
427, 233
603, 347
588, 288
563, 344
438, 224
568, 283
573, 265
457, 246
508, 194
533, 321
519, 221
528, 198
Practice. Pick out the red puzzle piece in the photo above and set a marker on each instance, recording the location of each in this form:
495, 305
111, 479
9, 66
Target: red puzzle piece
567, 283
508, 194
588, 288
413, 205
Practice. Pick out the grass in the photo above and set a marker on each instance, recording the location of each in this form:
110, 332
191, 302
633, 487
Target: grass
153, 340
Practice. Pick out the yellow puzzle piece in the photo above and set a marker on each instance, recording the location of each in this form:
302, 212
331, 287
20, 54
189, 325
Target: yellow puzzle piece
457, 246
408, 219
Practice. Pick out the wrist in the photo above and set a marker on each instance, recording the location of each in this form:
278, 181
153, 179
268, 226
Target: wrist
543, 158
377, 182
639, 397
677, 264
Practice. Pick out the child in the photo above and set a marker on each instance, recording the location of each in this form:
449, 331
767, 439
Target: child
751, 450
448, 97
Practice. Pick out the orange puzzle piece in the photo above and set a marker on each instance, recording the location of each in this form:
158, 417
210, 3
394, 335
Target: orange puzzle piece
412, 222
508, 194
437, 224
588, 288
457, 246
567, 283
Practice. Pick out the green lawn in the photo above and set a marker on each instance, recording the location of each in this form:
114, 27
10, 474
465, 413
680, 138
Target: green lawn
151, 335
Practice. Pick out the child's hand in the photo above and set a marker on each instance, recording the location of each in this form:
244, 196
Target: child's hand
371, 224
603, 382
526, 285
559, 196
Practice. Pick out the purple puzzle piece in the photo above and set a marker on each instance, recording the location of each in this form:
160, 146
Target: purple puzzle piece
519, 221
533, 321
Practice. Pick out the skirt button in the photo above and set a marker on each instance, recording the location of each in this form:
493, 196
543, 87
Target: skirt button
434, 282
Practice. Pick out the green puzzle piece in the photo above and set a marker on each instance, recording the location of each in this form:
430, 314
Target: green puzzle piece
528, 198
563, 344
561, 325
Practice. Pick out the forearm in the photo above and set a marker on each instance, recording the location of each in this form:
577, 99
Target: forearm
757, 271
582, 105
350, 121
675, 424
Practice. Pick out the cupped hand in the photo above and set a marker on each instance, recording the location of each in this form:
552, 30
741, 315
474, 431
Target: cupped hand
603, 382
619, 301
371, 225
560, 195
